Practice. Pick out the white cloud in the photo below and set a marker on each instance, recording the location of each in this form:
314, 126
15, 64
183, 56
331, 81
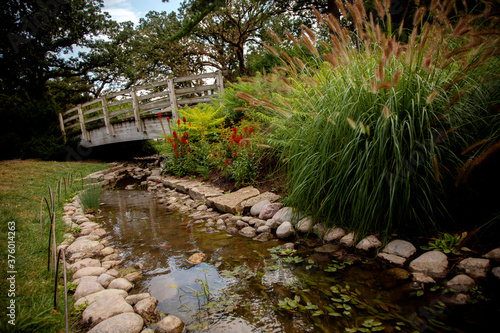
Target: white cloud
121, 10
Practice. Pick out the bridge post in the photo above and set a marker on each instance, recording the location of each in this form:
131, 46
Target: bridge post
61, 124
138, 122
173, 99
85, 135
109, 127
220, 82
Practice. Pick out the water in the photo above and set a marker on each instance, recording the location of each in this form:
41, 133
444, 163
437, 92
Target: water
244, 287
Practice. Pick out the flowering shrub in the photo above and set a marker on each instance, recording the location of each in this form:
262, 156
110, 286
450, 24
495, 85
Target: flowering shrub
180, 160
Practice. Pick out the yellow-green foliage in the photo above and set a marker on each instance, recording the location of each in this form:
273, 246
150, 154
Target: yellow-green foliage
203, 119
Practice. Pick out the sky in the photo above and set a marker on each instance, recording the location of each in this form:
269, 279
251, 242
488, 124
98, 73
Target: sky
133, 10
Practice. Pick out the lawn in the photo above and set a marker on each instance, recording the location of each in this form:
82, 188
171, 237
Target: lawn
23, 183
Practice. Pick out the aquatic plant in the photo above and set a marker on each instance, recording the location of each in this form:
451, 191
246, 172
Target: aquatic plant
90, 196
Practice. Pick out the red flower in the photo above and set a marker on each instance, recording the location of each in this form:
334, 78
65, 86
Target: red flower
177, 154
168, 119
189, 124
184, 119
178, 122
250, 131
159, 114
245, 128
175, 135
250, 154
234, 154
235, 130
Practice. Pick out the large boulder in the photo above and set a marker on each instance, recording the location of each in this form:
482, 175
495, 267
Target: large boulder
432, 263
134, 299
123, 323
87, 262
104, 308
231, 202
202, 193
368, 243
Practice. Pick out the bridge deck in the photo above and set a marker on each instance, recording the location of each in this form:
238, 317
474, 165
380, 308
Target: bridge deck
131, 114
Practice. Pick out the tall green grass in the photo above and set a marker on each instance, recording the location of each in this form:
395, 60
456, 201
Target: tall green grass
373, 136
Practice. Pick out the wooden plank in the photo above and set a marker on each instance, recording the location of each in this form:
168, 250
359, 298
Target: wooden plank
120, 102
191, 90
195, 100
194, 77
121, 92
75, 109
153, 95
153, 85
90, 103
71, 118
220, 82
158, 105
120, 112
92, 110
72, 126
88, 121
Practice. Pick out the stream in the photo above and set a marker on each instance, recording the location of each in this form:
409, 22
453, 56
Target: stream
249, 286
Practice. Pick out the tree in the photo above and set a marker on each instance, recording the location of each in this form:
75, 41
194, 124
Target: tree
38, 36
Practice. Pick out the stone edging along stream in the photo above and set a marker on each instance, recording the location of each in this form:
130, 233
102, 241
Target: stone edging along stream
103, 286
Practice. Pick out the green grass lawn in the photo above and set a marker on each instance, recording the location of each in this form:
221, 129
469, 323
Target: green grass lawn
23, 183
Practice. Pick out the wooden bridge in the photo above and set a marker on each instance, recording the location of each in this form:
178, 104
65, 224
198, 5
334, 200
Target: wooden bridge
132, 114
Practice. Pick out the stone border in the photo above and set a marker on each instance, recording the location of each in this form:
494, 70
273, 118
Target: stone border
95, 264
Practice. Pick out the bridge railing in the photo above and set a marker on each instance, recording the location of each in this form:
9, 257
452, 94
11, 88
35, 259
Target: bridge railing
140, 102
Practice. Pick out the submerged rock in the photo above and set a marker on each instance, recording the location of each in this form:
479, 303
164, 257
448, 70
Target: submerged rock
170, 324
197, 258
327, 248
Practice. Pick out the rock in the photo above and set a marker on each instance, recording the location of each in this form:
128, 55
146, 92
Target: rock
134, 276
86, 271
288, 246
202, 193
249, 203
257, 208
392, 259
170, 324
89, 299
400, 248
264, 237
87, 247
202, 207
269, 210
272, 224
146, 307
134, 299
347, 240
493, 255
120, 283
113, 272
130, 187
285, 230
247, 232
186, 185
319, 229
287, 214
111, 257
231, 230
111, 263
399, 273
456, 299
460, 282
475, 267
197, 258
147, 330
123, 323
263, 228
368, 243
87, 285
422, 278
327, 248
333, 234
104, 308
89, 224
107, 251
231, 202
304, 225
87, 262
105, 279
496, 272
240, 224
432, 263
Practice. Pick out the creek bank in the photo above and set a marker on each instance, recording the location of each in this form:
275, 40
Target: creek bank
250, 214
